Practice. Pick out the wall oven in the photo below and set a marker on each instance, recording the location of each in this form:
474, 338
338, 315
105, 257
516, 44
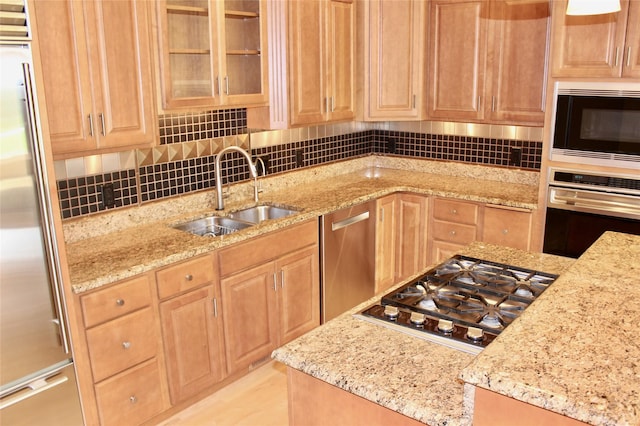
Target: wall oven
581, 206
596, 123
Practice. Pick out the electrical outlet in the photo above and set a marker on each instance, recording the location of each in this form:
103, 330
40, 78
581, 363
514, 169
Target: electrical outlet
108, 195
515, 156
299, 158
391, 145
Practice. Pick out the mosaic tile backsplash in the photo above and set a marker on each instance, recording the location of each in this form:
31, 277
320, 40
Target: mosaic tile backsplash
184, 162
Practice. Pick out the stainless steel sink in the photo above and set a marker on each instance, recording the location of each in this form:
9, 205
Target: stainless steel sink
259, 213
213, 226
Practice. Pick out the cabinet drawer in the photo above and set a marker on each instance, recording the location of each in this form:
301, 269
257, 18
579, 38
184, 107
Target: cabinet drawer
507, 227
122, 343
186, 275
453, 232
456, 211
112, 302
263, 249
131, 398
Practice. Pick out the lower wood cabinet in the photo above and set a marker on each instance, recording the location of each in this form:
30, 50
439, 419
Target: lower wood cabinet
401, 238
454, 224
507, 226
191, 326
122, 340
270, 291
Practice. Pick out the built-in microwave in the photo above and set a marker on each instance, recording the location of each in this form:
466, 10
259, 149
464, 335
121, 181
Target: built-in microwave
596, 123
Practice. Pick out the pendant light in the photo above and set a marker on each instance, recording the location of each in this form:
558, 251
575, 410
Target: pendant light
592, 7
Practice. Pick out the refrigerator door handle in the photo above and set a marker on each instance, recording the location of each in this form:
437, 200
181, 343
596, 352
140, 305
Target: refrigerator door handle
49, 234
37, 386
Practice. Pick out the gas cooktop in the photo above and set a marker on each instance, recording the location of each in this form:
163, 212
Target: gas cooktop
463, 303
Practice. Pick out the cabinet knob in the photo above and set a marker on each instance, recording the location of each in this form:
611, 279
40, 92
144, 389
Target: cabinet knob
505, 231
126, 345
188, 277
120, 302
454, 211
453, 233
133, 399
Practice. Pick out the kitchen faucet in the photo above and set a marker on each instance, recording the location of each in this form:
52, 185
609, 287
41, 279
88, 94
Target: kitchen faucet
218, 172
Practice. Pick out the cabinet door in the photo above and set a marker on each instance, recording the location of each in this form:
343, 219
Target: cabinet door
507, 227
587, 46
189, 56
516, 72
307, 83
386, 242
299, 293
244, 60
66, 77
121, 62
341, 59
458, 55
192, 338
412, 218
631, 65
394, 58
250, 316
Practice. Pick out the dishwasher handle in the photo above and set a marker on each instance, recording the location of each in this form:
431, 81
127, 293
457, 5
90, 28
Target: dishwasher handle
335, 226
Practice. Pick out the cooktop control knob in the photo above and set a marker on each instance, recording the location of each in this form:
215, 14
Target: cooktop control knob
445, 326
391, 312
417, 318
475, 334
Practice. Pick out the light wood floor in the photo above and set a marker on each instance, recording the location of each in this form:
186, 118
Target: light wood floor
259, 398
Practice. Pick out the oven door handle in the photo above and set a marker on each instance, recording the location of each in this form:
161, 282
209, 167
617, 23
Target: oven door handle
599, 203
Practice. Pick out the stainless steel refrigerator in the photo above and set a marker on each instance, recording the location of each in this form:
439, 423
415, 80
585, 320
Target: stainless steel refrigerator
37, 379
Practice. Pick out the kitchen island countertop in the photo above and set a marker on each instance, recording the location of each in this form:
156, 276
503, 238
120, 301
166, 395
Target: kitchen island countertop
416, 378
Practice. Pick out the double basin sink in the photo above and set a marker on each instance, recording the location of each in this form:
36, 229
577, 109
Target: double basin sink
215, 226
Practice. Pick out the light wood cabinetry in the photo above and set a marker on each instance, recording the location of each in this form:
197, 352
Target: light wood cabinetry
191, 326
488, 61
212, 53
321, 61
507, 226
457, 59
270, 291
386, 233
123, 343
96, 73
395, 59
454, 224
412, 222
604, 45
401, 238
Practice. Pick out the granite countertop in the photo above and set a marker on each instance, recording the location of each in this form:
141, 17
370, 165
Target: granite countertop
411, 376
575, 351
110, 247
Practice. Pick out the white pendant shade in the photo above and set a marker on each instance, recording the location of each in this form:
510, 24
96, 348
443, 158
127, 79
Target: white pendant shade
592, 7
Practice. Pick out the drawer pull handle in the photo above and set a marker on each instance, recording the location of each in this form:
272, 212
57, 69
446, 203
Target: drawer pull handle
188, 277
126, 345
454, 211
453, 233
120, 302
505, 231
133, 399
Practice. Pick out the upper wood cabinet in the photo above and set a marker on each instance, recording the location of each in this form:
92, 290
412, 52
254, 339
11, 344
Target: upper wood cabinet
212, 53
488, 61
604, 45
96, 70
517, 65
457, 50
321, 61
394, 57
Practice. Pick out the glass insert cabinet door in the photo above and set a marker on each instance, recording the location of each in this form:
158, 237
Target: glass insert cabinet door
212, 53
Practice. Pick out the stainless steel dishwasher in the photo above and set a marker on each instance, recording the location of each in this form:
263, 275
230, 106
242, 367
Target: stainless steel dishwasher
348, 258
